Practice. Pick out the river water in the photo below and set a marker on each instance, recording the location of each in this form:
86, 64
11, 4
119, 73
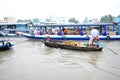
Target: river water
32, 60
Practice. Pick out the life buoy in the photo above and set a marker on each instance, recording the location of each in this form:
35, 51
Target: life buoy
64, 37
87, 37
108, 37
8, 45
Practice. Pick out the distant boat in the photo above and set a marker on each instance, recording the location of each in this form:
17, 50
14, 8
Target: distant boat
2, 34
5, 45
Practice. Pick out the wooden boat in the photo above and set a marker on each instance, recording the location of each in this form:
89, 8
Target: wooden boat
5, 45
74, 46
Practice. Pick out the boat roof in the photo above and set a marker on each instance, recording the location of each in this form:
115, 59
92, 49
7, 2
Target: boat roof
80, 24
14, 23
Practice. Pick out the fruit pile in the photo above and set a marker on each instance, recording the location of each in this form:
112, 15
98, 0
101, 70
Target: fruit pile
72, 43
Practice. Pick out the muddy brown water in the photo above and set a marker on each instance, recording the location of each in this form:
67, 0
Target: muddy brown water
32, 60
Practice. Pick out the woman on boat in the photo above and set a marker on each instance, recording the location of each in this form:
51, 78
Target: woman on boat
94, 36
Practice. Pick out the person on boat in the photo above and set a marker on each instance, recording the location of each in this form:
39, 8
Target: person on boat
44, 32
36, 31
78, 31
94, 36
56, 32
50, 32
64, 31
32, 33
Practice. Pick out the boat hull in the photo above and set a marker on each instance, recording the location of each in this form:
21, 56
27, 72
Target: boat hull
70, 37
62, 46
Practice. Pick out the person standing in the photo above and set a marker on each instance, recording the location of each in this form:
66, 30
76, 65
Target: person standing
94, 36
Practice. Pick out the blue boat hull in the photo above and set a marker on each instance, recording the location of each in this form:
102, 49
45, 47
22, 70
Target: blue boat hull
5, 45
71, 37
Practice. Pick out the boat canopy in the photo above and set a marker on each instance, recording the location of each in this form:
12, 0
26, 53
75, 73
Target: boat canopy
14, 23
80, 24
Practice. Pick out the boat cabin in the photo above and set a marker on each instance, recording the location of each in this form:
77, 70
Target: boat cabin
80, 29
12, 28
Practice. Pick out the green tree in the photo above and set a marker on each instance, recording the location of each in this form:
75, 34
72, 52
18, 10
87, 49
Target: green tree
73, 20
107, 19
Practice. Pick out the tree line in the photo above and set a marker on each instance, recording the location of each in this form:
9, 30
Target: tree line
104, 19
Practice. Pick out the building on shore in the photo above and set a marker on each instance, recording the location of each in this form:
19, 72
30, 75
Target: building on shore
9, 19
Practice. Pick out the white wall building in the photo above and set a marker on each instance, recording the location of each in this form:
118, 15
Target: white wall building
9, 19
51, 20
59, 20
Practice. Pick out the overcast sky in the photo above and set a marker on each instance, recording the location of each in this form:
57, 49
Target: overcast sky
26, 9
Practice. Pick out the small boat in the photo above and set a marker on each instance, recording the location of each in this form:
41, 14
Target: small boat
5, 45
73, 45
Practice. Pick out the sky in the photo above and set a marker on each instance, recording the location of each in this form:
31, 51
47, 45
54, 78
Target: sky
80, 9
